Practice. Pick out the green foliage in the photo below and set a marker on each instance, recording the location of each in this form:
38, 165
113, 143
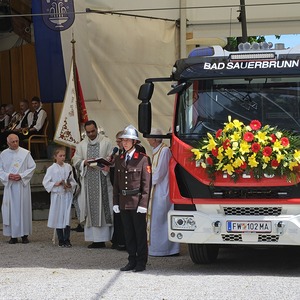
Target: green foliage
233, 42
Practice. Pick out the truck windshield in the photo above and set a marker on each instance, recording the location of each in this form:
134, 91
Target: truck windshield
206, 104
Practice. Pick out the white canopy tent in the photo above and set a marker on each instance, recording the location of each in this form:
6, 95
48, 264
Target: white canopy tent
125, 50
137, 39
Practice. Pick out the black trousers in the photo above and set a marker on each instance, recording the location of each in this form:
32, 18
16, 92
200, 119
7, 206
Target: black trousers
63, 234
135, 229
118, 237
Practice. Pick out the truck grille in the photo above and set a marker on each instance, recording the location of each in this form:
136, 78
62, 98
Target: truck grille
252, 211
268, 238
246, 193
232, 237
262, 238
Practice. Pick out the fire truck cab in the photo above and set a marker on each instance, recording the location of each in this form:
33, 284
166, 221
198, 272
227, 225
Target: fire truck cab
258, 82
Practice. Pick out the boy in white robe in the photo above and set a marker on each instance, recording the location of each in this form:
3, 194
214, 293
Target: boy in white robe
59, 181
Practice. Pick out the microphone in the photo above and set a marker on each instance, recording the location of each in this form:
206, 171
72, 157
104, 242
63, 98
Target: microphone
109, 158
115, 150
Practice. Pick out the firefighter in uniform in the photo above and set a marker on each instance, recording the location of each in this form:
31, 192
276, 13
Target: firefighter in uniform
132, 186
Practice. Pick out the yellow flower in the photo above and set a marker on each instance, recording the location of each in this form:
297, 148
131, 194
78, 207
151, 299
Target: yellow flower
228, 126
238, 162
228, 168
237, 124
293, 164
211, 142
277, 146
220, 155
278, 134
261, 137
297, 155
229, 153
279, 157
197, 153
252, 162
266, 159
244, 147
235, 137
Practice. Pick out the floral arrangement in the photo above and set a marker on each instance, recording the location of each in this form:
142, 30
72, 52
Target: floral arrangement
240, 148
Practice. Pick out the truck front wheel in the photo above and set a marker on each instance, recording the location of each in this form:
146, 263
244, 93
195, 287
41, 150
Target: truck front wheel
203, 253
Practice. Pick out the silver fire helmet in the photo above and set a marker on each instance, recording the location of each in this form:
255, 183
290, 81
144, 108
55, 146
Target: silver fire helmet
130, 132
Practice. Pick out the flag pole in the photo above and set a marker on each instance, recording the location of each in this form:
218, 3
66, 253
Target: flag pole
76, 83
73, 113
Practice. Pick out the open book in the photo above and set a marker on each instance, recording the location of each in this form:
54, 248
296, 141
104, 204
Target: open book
99, 161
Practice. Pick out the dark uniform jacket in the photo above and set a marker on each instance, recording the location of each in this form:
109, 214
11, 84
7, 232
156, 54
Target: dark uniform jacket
132, 183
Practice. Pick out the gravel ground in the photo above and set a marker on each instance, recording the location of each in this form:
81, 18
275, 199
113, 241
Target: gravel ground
41, 270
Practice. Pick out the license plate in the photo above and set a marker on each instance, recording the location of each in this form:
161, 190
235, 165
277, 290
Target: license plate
249, 226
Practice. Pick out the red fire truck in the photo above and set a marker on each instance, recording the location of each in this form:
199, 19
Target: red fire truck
258, 82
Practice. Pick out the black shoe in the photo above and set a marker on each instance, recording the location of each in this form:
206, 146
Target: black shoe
79, 228
114, 246
61, 243
128, 267
139, 269
13, 241
97, 245
121, 248
25, 239
68, 244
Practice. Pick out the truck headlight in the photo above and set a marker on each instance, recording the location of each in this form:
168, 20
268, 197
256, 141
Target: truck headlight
183, 223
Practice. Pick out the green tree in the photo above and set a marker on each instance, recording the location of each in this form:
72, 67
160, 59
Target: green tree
233, 42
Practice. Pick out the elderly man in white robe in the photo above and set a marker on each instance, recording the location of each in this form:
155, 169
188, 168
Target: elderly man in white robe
95, 197
159, 244
16, 170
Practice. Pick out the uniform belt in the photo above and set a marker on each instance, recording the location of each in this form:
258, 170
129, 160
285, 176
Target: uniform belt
130, 192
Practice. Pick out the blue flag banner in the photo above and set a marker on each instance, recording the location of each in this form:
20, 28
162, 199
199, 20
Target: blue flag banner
49, 54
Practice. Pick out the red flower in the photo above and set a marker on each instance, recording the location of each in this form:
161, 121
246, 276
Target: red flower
255, 147
255, 125
243, 166
285, 141
226, 144
248, 136
274, 163
219, 133
215, 152
267, 151
273, 137
209, 161
239, 171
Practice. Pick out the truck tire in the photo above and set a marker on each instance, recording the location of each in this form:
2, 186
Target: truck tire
203, 253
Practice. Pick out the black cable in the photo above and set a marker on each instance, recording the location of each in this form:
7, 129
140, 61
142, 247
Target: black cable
119, 11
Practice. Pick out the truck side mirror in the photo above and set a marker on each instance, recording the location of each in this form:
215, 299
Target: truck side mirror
146, 91
145, 117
